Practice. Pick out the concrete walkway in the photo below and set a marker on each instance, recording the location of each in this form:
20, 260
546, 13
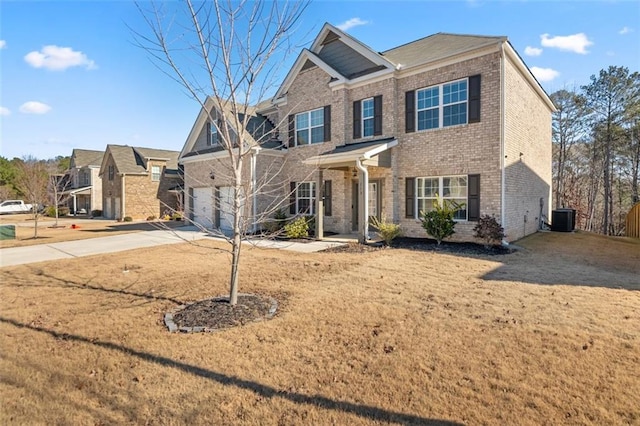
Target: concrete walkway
89, 247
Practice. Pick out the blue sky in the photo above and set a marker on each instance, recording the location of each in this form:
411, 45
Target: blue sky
72, 77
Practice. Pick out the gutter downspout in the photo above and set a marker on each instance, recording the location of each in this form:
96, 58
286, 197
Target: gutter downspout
503, 218
364, 236
124, 197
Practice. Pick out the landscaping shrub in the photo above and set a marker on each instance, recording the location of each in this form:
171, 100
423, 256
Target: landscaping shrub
127, 219
439, 222
96, 213
489, 230
51, 211
152, 217
386, 230
299, 228
176, 216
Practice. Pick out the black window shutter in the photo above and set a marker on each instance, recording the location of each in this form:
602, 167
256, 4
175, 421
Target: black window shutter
191, 203
474, 99
292, 198
208, 133
292, 131
410, 111
216, 201
473, 198
327, 123
357, 116
377, 115
410, 204
327, 197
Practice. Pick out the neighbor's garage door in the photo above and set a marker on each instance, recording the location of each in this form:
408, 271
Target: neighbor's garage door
203, 206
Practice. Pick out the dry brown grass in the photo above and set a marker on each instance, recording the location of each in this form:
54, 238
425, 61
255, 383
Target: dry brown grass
85, 228
547, 335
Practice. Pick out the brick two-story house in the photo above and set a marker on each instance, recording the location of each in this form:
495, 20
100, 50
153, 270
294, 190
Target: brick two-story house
386, 134
84, 190
140, 182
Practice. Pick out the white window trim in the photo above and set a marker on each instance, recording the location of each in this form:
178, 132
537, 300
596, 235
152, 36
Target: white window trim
213, 135
311, 198
441, 105
440, 197
372, 118
153, 179
308, 113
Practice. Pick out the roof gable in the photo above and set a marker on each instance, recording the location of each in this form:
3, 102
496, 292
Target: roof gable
130, 160
85, 157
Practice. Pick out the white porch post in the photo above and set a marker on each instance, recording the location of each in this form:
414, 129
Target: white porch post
75, 207
319, 206
363, 211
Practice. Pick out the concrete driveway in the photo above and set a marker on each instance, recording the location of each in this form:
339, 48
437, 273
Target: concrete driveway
89, 247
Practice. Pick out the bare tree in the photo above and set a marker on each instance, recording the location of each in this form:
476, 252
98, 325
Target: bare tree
58, 184
226, 55
32, 180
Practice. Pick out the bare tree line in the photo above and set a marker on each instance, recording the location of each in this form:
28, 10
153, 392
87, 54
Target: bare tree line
596, 145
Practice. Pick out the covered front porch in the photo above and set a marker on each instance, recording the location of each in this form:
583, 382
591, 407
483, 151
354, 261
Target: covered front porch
355, 158
80, 200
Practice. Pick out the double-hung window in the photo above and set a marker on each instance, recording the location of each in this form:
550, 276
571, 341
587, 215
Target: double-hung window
310, 127
155, 173
367, 117
442, 189
212, 134
442, 105
111, 172
306, 198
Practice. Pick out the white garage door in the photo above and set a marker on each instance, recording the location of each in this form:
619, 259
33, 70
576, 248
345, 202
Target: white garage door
203, 206
226, 208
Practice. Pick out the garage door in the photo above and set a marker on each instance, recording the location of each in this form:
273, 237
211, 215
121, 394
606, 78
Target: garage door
203, 207
226, 208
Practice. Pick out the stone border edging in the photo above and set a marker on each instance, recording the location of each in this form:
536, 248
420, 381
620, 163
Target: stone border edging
173, 327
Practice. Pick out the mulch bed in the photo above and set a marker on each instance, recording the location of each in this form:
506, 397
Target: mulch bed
217, 313
425, 244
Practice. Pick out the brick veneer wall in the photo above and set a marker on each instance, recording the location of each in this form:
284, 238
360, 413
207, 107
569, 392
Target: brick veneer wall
527, 155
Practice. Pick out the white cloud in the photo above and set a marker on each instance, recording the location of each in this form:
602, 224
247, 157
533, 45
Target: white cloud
532, 51
3, 44
5, 111
625, 30
58, 58
353, 22
544, 74
576, 43
34, 107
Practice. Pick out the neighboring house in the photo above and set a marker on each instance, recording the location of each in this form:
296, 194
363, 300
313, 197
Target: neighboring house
453, 117
140, 182
84, 187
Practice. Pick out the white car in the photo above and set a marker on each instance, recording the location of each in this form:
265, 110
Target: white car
14, 206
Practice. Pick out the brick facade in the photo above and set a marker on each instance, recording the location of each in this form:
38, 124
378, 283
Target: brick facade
515, 121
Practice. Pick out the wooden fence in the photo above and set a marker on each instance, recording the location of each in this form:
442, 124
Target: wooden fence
633, 222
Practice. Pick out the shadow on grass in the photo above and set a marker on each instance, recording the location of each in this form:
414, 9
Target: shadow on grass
65, 283
322, 402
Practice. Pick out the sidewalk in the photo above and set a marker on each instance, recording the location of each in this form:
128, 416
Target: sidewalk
89, 247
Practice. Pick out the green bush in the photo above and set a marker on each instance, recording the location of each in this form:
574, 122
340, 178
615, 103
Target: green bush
127, 219
386, 230
299, 228
176, 216
152, 217
51, 211
439, 222
96, 213
489, 230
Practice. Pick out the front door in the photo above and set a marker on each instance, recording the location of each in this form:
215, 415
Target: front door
375, 197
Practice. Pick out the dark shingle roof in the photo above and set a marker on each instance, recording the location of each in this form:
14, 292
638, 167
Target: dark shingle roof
132, 160
437, 46
86, 157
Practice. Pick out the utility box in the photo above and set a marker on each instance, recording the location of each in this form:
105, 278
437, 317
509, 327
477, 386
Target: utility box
563, 220
7, 232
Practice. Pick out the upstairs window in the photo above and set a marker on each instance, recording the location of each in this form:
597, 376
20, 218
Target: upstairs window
111, 172
310, 127
84, 178
155, 173
448, 104
367, 117
212, 134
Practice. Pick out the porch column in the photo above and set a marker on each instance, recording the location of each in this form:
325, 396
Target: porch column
363, 211
75, 207
320, 206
